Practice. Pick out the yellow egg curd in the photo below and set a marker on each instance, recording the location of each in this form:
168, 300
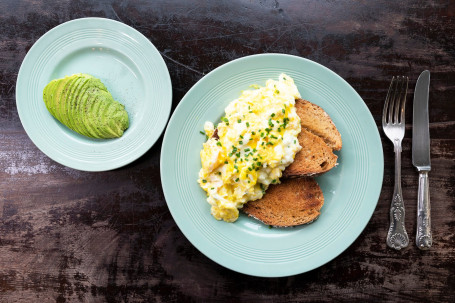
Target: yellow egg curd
253, 144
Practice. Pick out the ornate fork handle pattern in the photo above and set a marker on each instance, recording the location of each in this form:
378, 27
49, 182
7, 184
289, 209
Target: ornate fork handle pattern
397, 237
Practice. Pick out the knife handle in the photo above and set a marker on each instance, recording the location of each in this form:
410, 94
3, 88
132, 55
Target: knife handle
424, 238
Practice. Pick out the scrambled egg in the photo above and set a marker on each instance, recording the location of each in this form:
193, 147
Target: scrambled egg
250, 147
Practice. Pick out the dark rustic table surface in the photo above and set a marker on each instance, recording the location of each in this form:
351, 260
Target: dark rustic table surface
69, 236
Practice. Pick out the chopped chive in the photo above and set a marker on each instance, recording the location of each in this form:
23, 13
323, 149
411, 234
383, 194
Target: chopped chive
253, 133
219, 173
250, 169
212, 188
272, 115
283, 111
203, 133
254, 150
238, 155
218, 143
204, 181
273, 137
247, 124
274, 181
239, 120
241, 142
247, 149
241, 136
237, 180
294, 142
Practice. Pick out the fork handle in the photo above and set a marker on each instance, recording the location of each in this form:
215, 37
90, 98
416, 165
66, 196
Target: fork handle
424, 238
397, 237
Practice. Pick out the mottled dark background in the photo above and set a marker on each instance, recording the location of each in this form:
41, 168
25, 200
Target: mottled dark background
70, 236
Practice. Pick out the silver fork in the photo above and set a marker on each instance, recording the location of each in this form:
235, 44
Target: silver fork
393, 125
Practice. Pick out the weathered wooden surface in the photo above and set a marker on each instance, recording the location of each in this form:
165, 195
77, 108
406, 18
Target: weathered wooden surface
67, 235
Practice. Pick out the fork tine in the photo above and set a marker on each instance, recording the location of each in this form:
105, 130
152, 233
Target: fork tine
399, 97
403, 101
393, 100
386, 103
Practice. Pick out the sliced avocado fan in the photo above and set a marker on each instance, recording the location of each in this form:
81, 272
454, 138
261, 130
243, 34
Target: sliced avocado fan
83, 104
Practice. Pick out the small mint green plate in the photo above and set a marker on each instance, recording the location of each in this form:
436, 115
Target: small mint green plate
351, 190
125, 61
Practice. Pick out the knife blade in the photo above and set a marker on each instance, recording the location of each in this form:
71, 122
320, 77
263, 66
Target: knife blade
420, 126
421, 159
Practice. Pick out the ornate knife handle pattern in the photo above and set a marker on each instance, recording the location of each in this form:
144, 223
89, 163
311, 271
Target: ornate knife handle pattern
397, 236
424, 238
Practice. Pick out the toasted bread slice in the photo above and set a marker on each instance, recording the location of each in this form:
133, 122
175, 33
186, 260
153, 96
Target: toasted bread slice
293, 202
317, 121
315, 157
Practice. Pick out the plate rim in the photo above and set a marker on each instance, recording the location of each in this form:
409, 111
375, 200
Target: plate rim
105, 165
330, 256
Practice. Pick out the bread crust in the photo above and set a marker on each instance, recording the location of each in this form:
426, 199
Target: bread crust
293, 202
316, 120
315, 157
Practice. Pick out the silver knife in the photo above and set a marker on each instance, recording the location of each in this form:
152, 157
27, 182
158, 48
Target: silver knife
421, 159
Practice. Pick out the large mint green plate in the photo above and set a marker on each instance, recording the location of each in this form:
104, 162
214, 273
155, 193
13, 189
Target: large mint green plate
351, 190
125, 61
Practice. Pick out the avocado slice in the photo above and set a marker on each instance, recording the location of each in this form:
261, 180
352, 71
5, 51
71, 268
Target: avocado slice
75, 103
60, 93
73, 94
66, 94
48, 95
83, 103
